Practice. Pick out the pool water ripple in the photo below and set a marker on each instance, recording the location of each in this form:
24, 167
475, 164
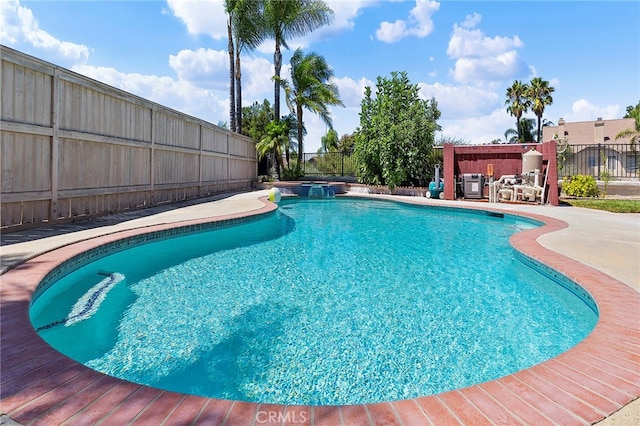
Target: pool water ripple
325, 302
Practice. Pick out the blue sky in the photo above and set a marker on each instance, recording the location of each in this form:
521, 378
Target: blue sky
464, 53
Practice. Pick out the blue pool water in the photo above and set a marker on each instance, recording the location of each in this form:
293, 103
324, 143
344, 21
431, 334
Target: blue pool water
322, 302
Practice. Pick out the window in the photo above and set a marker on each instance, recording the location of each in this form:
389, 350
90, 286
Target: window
632, 163
591, 161
612, 160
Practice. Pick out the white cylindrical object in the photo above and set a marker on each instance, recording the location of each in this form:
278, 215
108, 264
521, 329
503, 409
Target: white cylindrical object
531, 160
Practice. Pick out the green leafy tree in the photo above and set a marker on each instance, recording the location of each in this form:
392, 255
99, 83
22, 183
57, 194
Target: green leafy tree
256, 118
310, 88
284, 19
517, 104
539, 93
396, 133
346, 143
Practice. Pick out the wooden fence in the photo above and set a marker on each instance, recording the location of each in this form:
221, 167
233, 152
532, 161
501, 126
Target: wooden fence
73, 146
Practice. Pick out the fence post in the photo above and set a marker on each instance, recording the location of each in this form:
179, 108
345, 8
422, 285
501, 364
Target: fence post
55, 144
599, 158
342, 165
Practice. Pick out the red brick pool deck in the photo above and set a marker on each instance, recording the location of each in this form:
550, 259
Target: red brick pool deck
581, 386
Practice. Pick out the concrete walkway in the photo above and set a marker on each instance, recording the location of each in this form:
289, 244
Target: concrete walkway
609, 242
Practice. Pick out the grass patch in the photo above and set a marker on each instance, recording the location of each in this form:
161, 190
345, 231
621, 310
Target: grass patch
615, 206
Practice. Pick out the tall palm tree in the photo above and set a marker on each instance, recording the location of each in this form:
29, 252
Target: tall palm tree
229, 6
249, 34
310, 88
245, 30
518, 103
540, 95
284, 19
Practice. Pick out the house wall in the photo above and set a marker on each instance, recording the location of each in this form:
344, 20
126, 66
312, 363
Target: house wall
506, 160
590, 132
73, 146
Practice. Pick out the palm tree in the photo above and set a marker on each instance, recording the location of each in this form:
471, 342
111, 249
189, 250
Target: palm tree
249, 34
511, 136
310, 88
518, 103
329, 142
245, 30
291, 144
540, 95
276, 136
229, 6
634, 134
291, 18
527, 127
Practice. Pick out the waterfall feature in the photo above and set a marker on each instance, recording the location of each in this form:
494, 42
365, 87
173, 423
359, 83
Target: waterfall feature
320, 191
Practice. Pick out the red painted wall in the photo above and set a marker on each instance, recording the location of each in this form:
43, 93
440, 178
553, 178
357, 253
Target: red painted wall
506, 160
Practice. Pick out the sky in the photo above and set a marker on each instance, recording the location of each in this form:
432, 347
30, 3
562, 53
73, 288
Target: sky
465, 54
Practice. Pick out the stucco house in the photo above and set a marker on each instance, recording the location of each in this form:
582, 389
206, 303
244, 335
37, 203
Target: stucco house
593, 148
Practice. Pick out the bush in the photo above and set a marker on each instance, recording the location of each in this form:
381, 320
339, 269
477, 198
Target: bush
581, 186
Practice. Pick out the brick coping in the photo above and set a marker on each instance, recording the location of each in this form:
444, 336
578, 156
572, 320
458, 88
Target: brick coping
580, 386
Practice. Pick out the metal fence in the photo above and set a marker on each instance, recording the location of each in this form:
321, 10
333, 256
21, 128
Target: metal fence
603, 161
343, 164
329, 164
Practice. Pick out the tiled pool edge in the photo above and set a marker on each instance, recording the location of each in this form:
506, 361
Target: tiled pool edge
580, 386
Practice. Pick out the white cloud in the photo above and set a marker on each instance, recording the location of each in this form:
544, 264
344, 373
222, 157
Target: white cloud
460, 101
17, 25
421, 15
480, 58
467, 41
209, 69
352, 91
345, 13
256, 78
478, 130
203, 67
177, 94
201, 16
583, 110
391, 32
419, 23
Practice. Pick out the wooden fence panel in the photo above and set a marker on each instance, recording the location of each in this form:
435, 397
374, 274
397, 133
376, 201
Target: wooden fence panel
214, 141
215, 169
173, 130
26, 96
74, 146
33, 151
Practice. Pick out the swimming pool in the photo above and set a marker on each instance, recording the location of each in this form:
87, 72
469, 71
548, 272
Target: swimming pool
408, 300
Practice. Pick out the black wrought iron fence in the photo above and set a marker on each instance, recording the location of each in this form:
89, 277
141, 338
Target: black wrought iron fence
614, 161
344, 163
329, 164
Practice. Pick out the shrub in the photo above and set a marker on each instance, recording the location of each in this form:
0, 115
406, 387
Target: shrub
581, 186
